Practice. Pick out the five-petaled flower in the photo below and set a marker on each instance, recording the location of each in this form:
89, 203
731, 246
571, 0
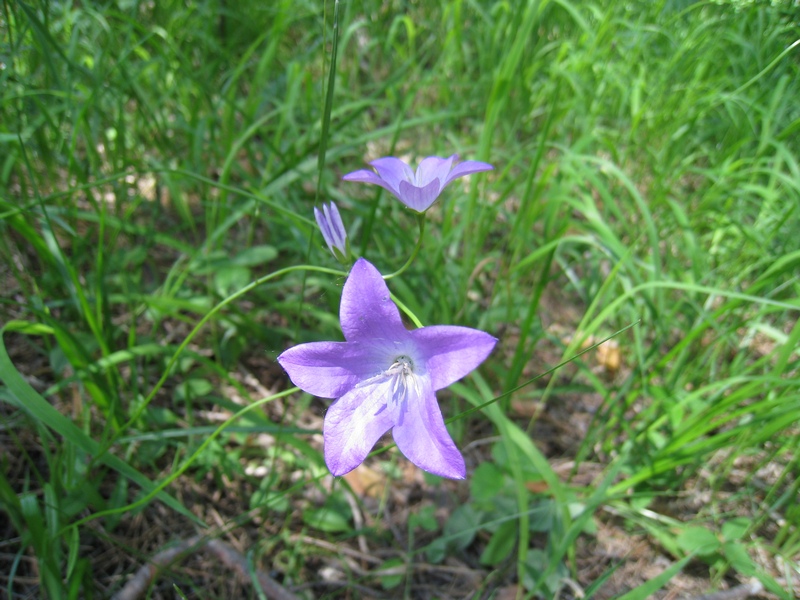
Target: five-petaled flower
417, 190
333, 231
384, 377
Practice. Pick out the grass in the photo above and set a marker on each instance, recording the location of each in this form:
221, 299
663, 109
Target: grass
160, 162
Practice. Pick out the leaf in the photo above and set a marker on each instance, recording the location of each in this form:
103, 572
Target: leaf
230, 279
255, 255
537, 565
73, 543
501, 544
267, 496
459, 531
461, 527
487, 481
736, 554
736, 528
192, 388
333, 517
647, 589
543, 516
698, 540
436, 550
391, 573
218, 260
425, 518
501, 458
326, 520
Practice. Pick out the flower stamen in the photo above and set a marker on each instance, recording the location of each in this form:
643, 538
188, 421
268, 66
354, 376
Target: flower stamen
404, 380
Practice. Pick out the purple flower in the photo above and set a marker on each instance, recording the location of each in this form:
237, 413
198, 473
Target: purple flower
385, 377
417, 190
333, 231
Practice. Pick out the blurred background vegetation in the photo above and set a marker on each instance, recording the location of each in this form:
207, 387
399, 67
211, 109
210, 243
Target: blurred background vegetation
156, 158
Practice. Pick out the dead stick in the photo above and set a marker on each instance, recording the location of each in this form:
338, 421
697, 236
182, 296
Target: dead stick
236, 561
740, 592
141, 581
138, 584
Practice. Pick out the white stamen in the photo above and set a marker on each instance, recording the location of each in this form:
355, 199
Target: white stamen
401, 378
404, 379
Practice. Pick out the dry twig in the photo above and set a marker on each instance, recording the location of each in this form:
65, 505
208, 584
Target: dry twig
740, 592
141, 581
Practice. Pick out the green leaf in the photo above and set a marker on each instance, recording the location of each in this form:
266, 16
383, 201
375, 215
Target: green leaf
698, 540
459, 531
487, 481
646, 590
736, 554
425, 518
333, 517
576, 509
327, 520
268, 497
33, 520
461, 526
192, 388
501, 458
219, 261
501, 544
73, 544
255, 255
537, 565
543, 516
736, 528
436, 550
231, 279
396, 572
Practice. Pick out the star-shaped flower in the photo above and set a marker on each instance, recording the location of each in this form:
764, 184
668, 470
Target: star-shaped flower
421, 189
384, 377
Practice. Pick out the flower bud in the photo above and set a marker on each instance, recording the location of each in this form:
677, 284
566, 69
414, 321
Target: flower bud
333, 231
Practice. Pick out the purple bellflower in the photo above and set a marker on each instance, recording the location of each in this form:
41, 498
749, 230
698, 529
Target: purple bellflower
421, 189
333, 231
384, 377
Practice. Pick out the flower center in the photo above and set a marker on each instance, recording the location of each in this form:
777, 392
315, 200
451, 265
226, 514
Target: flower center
403, 378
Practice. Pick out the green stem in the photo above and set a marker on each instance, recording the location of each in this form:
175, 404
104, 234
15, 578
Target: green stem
203, 321
177, 473
401, 270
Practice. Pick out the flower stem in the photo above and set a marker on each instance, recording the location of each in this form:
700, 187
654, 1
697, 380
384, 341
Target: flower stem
401, 270
241, 292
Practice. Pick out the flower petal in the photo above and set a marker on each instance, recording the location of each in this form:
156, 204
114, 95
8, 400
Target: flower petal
432, 168
423, 438
329, 369
451, 352
366, 176
393, 170
354, 423
419, 198
324, 227
466, 168
338, 232
367, 311
332, 228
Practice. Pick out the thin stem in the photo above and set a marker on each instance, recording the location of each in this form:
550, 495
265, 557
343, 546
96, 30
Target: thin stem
401, 270
177, 473
204, 320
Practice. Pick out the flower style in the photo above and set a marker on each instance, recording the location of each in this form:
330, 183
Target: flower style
421, 189
333, 231
385, 377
